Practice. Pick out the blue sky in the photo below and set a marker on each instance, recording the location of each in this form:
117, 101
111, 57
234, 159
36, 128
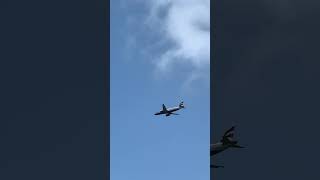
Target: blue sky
154, 61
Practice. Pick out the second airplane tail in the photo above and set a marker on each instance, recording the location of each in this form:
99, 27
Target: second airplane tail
228, 138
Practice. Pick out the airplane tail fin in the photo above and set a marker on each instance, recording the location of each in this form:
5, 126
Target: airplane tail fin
181, 105
228, 138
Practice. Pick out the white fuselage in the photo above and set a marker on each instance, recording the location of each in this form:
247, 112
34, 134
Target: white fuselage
173, 109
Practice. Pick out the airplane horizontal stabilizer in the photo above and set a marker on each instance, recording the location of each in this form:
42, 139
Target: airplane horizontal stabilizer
237, 146
214, 166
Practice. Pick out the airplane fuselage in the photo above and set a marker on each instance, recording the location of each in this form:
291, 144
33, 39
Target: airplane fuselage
218, 147
169, 110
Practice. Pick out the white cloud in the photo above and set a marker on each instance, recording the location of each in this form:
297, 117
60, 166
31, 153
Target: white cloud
174, 35
185, 25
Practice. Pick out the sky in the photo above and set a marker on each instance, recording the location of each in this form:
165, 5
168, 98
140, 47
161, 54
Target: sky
159, 54
266, 78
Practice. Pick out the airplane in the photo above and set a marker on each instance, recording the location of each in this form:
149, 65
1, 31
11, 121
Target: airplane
225, 143
170, 111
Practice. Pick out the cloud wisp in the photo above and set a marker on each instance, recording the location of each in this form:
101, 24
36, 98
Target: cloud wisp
185, 28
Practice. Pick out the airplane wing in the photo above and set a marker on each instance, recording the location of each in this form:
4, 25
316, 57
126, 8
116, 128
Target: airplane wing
174, 113
214, 166
237, 146
169, 113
